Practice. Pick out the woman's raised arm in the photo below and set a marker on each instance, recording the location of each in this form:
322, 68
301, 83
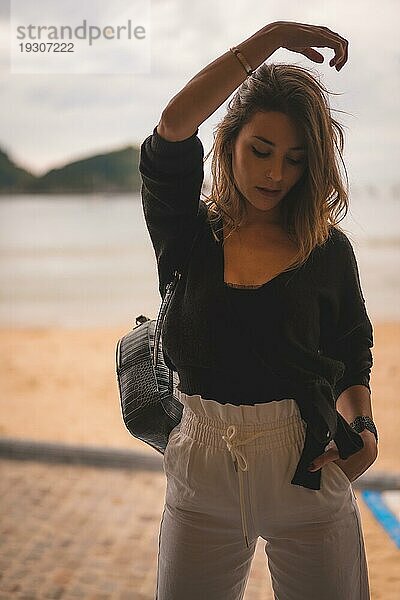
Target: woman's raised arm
207, 90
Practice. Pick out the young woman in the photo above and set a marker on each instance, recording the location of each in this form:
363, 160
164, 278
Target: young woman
263, 396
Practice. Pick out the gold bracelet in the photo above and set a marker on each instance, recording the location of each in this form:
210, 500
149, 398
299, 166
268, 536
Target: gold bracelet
242, 60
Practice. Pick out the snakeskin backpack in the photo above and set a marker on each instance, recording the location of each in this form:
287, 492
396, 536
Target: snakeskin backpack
147, 386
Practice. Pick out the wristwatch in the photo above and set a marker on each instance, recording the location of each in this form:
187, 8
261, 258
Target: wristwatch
363, 422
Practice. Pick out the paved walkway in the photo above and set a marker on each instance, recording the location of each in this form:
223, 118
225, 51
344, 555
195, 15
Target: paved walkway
79, 531
70, 531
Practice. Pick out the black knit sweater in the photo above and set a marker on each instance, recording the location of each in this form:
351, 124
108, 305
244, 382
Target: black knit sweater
308, 331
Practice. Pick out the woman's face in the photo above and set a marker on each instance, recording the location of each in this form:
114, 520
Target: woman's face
269, 152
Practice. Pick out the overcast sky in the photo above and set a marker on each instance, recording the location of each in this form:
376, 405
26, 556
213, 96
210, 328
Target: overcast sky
47, 120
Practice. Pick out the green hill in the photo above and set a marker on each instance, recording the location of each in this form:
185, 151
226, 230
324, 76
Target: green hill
13, 178
111, 172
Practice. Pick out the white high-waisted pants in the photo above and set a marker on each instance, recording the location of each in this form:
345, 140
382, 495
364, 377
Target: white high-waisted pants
228, 471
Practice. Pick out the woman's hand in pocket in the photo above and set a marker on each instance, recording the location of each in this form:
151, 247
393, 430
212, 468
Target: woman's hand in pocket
356, 464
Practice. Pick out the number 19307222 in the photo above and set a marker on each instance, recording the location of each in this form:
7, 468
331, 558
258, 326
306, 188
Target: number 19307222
46, 47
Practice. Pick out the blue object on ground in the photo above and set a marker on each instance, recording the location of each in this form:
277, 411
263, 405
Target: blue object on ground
375, 502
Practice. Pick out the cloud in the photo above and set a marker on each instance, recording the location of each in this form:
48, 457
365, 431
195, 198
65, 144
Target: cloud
48, 119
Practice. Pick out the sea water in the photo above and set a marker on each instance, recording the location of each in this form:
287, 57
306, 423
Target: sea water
76, 261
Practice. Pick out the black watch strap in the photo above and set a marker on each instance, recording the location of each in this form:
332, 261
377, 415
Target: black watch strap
363, 422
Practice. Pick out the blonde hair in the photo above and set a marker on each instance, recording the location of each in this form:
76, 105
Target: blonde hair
316, 201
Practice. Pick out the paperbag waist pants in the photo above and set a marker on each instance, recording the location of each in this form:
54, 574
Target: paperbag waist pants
228, 471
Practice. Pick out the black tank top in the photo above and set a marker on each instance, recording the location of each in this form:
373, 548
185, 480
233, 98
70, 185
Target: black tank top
247, 376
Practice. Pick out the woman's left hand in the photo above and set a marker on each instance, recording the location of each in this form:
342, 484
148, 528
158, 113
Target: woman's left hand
356, 464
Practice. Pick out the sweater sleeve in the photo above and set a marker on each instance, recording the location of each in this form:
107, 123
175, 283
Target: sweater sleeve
172, 176
352, 336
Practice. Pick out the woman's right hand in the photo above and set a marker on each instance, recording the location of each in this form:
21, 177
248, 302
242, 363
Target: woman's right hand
207, 90
300, 37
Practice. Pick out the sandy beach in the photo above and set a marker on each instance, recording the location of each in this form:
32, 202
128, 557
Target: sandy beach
60, 385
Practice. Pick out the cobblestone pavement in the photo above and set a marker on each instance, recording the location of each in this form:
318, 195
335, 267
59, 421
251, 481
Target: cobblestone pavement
80, 531
72, 531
